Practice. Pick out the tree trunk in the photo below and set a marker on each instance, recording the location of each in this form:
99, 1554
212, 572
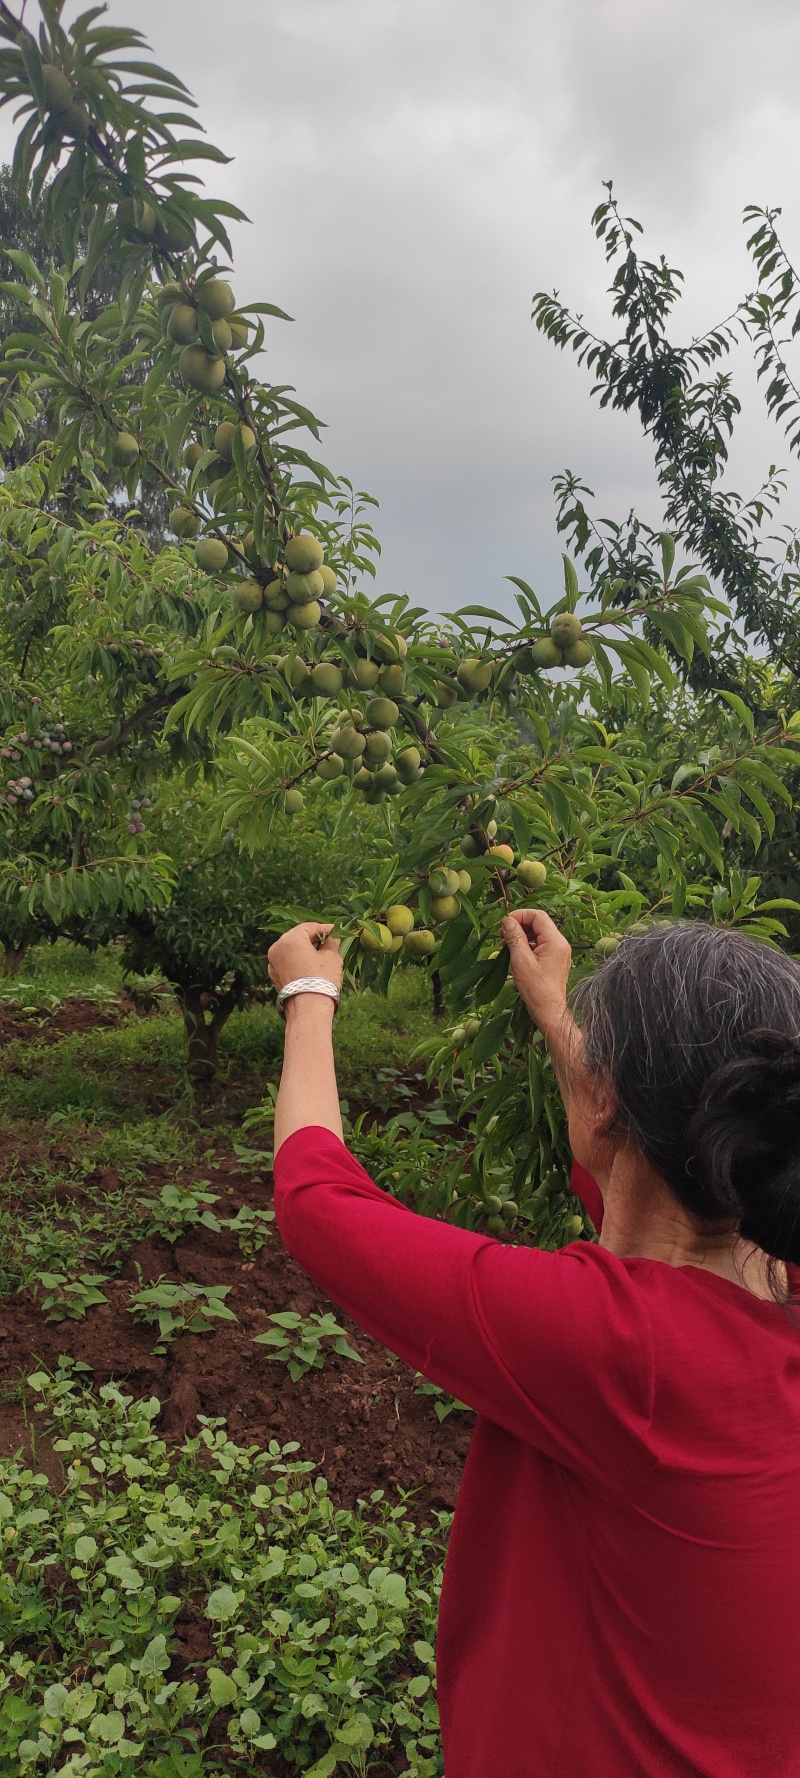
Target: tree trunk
12, 959
438, 995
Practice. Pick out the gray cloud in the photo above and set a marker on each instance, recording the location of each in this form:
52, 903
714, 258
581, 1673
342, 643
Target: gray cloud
414, 169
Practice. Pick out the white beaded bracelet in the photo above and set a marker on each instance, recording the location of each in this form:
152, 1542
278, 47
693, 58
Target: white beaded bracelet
308, 984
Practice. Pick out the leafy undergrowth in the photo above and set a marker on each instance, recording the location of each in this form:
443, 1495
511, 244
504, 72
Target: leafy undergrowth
207, 1610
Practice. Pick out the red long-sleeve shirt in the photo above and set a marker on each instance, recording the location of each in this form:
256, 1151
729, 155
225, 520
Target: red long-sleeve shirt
622, 1588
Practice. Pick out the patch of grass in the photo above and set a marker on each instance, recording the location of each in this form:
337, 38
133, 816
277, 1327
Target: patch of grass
374, 1035
55, 972
92, 1074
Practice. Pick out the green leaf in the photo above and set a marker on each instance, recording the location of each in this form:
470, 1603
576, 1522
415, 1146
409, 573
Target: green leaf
490, 1038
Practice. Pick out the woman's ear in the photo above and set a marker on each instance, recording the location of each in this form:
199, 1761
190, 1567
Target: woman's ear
594, 1124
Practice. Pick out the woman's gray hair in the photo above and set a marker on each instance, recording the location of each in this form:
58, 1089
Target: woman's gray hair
697, 1028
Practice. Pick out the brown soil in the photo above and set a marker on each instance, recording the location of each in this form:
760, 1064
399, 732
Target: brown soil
48, 1025
362, 1423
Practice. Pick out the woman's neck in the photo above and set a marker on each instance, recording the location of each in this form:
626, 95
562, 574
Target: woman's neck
642, 1219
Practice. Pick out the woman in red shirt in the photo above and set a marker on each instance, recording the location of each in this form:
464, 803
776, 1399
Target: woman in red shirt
622, 1588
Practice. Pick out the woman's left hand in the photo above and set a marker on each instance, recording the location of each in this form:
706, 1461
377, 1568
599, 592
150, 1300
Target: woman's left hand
307, 949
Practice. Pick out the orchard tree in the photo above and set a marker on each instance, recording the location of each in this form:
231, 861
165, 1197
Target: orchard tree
504, 758
210, 940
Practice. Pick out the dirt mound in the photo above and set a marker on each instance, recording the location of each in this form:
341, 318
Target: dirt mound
362, 1423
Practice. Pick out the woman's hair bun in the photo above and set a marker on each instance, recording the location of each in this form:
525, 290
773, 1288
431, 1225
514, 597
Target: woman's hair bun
744, 1142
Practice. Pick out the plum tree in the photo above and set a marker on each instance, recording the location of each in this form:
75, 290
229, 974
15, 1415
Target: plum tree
283, 672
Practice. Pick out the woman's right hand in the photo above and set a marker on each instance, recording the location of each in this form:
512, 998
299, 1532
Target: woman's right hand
540, 963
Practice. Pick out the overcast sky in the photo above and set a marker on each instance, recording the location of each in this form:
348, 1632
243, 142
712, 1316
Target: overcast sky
415, 169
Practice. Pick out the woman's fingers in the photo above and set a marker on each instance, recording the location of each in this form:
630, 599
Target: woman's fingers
306, 949
540, 959
535, 923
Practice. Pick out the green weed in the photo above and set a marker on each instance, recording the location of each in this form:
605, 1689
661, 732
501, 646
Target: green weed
180, 1308
298, 1341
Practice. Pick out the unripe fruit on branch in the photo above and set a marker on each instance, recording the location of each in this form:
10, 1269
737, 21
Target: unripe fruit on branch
305, 617
444, 695
474, 675
491, 826
302, 588
470, 846
192, 455
374, 792
579, 653
330, 767
174, 232
76, 121
58, 89
328, 579
239, 333
545, 653
445, 907
464, 882
364, 675
363, 779
225, 435
382, 713
170, 293
503, 855
392, 681
565, 629
293, 802
211, 555
458, 1037
575, 1227
182, 324
221, 335
607, 945
532, 872
298, 674
420, 944
124, 450
408, 764
136, 219
399, 919
348, 742
184, 522
247, 595
304, 553
274, 622
326, 679
378, 748
443, 881
375, 943
387, 779
275, 597
495, 1225
215, 298
494, 1204
472, 1027
390, 648
200, 371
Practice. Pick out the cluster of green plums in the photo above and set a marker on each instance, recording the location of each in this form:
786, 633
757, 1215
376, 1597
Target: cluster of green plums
201, 319
566, 646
